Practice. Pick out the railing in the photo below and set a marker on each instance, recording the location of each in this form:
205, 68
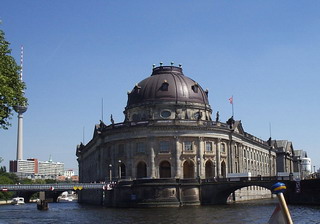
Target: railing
246, 179
50, 187
104, 186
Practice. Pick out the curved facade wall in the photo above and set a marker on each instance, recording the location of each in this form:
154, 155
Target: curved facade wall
171, 135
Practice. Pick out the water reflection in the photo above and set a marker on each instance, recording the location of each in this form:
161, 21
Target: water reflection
245, 212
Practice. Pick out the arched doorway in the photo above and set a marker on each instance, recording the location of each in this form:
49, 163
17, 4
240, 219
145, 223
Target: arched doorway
209, 169
123, 171
165, 169
223, 169
188, 169
141, 170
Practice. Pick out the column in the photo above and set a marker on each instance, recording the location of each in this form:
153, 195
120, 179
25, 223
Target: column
240, 158
178, 155
152, 156
218, 164
200, 154
230, 157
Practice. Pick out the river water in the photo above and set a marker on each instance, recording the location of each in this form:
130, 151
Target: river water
238, 213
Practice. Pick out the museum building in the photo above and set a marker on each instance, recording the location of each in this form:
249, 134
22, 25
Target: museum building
168, 132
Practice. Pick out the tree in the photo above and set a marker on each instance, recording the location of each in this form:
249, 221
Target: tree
5, 179
11, 86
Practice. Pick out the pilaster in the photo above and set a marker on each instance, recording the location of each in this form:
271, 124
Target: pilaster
178, 155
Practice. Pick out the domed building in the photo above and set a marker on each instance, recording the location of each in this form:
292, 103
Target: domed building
168, 132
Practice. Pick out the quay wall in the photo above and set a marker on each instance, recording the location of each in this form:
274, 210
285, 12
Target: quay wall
304, 192
94, 197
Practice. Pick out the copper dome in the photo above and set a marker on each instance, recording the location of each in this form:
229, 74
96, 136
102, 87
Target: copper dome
167, 83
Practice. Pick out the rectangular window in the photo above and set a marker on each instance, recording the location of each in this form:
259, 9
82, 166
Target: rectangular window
223, 147
188, 146
209, 146
164, 146
141, 147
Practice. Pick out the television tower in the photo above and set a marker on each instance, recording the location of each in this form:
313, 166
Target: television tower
20, 109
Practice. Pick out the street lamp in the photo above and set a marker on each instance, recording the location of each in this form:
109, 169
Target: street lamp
214, 168
119, 169
110, 172
198, 162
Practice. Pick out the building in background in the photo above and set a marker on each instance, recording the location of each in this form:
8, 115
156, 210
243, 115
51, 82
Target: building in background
303, 163
34, 169
69, 173
285, 156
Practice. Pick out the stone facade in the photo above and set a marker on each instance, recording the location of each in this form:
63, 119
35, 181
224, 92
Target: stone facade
168, 132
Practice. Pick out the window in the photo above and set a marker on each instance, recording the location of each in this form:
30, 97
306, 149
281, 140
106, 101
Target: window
141, 147
164, 86
188, 146
197, 115
165, 114
195, 87
164, 146
208, 146
137, 88
223, 147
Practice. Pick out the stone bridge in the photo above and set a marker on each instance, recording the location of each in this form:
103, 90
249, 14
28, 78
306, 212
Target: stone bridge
218, 192
52, 191
179, 192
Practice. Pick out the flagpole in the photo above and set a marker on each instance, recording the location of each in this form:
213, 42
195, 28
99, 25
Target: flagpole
278, 189
231, 101
232, 108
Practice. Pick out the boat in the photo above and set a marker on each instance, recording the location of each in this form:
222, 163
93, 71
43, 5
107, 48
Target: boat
17, 201
66, 197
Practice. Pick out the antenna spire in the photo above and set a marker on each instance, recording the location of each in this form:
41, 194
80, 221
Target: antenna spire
21, 63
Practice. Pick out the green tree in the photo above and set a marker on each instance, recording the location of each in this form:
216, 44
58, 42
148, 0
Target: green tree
4, 179
11, 86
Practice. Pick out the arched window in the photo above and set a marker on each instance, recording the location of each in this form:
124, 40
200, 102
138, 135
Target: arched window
164, 86
123, 171
141, 170
165, 169
209, 169
188, 169
223, 169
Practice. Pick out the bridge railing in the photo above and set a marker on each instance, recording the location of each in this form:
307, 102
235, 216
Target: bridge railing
50, 187
245, 179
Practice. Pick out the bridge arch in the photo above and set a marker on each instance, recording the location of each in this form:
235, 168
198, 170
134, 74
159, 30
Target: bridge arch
218, 193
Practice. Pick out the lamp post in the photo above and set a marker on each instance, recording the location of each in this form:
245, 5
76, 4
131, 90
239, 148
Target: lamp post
110, 172
198, 162
214, 168
119, 169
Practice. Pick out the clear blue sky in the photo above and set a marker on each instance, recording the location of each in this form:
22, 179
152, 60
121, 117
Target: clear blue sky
264, 53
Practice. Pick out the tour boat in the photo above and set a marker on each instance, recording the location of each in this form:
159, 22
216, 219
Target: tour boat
17, 201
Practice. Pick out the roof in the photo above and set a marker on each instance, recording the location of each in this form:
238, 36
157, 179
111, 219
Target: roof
167, 83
